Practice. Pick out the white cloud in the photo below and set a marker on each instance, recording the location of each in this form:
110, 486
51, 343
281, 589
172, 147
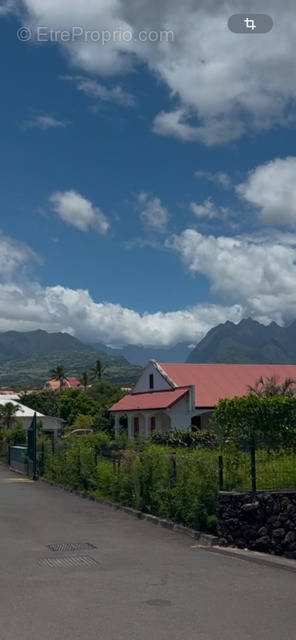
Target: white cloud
76, 210
207, 209
7, 7
101, 93
221, 179
14, 257
260, 276
154, 214
271, 188
28, 307
44, 122
222, 85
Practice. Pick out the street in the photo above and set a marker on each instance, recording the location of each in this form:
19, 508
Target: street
139, 582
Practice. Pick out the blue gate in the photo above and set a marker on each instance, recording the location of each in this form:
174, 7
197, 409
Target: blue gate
18, 459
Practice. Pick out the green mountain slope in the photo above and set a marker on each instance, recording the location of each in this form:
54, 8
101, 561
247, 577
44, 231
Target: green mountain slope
248, 342
26, 359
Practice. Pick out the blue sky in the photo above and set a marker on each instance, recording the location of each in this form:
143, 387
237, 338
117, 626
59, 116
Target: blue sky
146, 204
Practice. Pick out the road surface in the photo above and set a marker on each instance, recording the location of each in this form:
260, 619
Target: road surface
140, 581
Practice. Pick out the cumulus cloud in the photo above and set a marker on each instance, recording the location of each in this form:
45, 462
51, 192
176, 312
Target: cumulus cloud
153, 213
259, 276
220, 178
271, 188
222, 85
44, 122
100, 93
31, 306
14, 257
7, 7
79, 212
208, 209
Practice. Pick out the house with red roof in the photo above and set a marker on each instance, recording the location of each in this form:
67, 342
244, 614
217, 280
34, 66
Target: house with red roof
69, 383
184, 396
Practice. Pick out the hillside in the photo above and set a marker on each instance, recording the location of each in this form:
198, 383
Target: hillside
248, 342
26, 359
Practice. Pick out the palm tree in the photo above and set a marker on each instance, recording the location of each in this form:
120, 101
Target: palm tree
59, 374
85, 379
97, 370
270, 387
8, 414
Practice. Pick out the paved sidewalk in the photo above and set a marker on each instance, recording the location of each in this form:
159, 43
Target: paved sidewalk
140, 582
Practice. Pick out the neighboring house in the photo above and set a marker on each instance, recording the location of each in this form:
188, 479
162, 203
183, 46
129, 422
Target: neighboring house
69, 383
184, 396
50, 425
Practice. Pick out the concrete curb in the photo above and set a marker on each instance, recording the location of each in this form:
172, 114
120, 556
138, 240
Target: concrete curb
204, 540
279, 562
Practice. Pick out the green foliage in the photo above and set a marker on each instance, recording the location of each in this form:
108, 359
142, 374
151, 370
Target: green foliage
186, 439
83, 422
270, 421
75, 402
45, 402
106, 393
181, 487
8, 415
15, 436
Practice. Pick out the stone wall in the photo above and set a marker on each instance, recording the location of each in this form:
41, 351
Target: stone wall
265, 521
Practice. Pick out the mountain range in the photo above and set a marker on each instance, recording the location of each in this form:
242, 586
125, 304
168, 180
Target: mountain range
27, 358
248, 342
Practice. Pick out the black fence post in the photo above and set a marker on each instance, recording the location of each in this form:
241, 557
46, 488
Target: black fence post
221, 473
253, 465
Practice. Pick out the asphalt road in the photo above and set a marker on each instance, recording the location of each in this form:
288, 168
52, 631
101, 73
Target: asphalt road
147, 583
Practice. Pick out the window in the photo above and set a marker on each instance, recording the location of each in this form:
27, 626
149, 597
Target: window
151, 381
152, 424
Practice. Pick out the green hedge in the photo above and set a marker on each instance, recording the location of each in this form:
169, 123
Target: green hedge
181, 487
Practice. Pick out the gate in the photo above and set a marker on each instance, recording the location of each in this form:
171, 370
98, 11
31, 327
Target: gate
24, 459
18, 459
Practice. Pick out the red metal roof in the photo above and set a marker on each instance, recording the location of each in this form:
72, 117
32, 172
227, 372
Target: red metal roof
153, 400
215, 381
73, 382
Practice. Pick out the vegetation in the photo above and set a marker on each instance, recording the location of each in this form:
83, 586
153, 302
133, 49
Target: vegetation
270, 388
269, 422
8, 415
98, 370
59, 375
179, 487
46, 402
77, 406
186, 439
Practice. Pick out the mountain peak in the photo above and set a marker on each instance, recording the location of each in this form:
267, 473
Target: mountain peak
247, 342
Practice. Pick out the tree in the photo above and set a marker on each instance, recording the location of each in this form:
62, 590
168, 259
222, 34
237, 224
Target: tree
45, 402
98, 370
85, 380
8, 413
74, 402
59, 374
271, 388
83, 422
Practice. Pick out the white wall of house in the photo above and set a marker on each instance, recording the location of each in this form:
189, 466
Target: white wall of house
48, 424
160, 384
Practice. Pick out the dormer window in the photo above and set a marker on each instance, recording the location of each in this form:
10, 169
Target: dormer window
151, 381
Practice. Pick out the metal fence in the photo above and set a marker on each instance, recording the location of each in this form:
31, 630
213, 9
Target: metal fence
257, 470
18, 459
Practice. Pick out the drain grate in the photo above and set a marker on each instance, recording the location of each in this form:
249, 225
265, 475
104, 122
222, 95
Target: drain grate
71, 546
68, 562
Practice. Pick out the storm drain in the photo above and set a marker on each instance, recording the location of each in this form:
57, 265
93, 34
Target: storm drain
71, 546
68, 562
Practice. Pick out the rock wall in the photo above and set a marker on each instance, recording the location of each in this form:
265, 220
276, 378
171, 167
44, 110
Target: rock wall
265, 521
